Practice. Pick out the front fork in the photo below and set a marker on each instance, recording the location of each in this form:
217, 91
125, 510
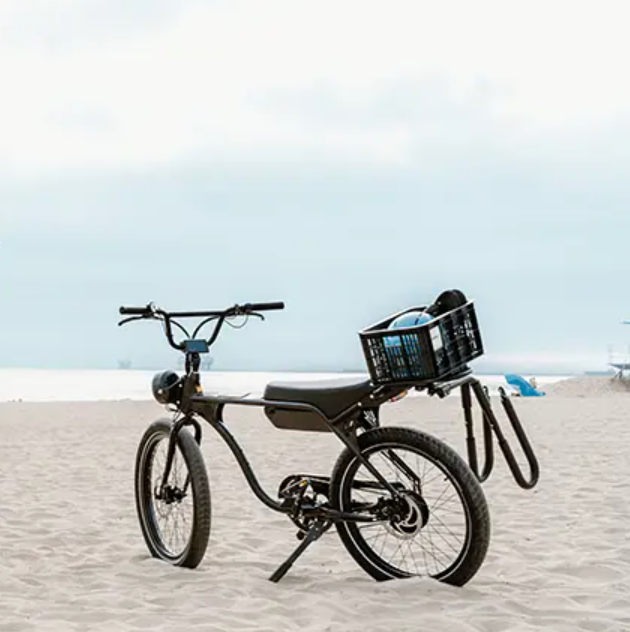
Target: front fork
192, 386
186, 420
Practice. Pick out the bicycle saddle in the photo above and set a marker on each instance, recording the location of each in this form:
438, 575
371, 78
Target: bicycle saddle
330, 396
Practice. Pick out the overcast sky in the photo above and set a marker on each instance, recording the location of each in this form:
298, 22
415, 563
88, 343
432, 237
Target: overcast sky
350, 158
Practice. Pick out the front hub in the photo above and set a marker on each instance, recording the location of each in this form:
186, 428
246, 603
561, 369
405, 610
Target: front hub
170, 495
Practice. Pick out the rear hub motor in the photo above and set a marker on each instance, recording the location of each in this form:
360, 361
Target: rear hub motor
412, 514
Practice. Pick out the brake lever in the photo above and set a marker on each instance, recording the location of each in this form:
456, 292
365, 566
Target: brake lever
151, 316
237, 312
124, 321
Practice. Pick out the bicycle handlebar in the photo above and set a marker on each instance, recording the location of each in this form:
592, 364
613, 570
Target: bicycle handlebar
150, 311
136, 311
264, 307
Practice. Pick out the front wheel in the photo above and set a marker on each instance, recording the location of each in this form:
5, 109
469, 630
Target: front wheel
175, 520
437, 524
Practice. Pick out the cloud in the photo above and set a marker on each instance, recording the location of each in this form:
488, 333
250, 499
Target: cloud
116, 88
67, 25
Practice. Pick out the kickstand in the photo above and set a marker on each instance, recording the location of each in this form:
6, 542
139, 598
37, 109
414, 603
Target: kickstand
315, 531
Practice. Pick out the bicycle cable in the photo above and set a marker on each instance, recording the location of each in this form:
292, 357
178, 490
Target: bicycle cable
246, 316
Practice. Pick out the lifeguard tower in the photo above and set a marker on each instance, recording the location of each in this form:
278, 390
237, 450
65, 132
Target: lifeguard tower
619, 360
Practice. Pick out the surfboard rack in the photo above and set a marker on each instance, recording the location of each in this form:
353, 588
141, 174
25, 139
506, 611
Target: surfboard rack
491, 427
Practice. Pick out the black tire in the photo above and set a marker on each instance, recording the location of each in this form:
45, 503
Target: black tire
450, 466
195, 545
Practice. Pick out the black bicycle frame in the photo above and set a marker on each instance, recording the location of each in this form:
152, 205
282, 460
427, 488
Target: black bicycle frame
210, 408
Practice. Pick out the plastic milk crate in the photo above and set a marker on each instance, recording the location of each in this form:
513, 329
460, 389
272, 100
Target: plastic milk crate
425, 353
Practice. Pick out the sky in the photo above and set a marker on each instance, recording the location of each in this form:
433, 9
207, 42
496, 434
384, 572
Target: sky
350, 158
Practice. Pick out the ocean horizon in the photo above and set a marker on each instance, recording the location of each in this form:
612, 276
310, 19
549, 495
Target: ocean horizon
49, 385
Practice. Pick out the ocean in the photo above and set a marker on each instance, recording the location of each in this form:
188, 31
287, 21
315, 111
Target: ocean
44, 385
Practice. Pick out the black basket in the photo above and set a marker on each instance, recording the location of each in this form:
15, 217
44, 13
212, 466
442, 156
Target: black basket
424, 353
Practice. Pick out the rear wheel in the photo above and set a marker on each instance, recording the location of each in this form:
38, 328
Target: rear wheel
175, 522
437, 526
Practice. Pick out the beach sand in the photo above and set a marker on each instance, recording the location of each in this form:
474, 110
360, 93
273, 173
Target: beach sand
72, 556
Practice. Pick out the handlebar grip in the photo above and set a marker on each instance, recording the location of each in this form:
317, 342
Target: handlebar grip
264, 307
134, 311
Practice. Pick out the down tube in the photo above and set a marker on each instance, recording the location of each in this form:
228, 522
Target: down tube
216, 421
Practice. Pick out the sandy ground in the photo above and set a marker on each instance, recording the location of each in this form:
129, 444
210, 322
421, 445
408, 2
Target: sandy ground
72, 556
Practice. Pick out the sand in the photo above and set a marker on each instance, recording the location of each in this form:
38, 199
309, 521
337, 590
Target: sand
589, 386
72, 556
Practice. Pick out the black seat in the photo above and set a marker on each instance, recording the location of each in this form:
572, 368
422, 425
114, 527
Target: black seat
330, 396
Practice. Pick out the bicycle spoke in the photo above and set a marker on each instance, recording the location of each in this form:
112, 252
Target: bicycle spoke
430, 531
173, 511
